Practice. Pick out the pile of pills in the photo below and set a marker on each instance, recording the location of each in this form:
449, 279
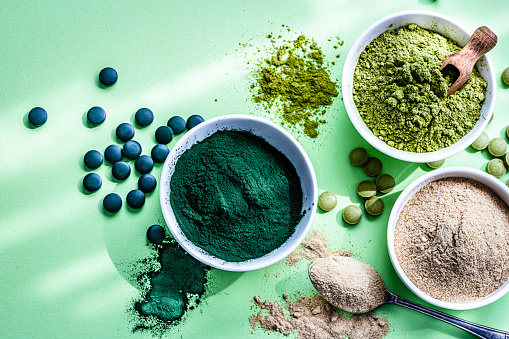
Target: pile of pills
497, 148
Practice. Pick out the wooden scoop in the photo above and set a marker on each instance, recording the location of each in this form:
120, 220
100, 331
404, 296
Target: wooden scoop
480, 43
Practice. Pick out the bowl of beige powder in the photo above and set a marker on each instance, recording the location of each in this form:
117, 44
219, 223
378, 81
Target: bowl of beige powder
447, 238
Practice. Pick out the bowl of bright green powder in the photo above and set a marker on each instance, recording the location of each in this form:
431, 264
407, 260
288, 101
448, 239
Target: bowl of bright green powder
238, 192
395, 93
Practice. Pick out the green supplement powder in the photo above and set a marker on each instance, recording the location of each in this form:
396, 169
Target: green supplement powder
236, 196
401, 94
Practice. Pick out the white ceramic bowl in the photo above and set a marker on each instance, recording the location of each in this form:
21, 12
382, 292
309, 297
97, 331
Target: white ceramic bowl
282, 141
491, 182
435, 22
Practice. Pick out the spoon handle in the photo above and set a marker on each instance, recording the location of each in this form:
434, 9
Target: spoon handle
477, 330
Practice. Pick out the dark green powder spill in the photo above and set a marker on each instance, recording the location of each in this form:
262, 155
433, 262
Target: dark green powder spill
168, 295
236, 196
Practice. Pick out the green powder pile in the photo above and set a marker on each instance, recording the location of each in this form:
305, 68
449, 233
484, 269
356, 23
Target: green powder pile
295, 77
236, 196
171, 290
401, 94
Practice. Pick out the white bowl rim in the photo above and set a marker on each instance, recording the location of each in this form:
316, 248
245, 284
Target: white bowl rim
449, 172
361, 127
252, 264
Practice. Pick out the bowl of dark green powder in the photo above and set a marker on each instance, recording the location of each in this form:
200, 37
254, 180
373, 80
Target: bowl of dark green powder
395, 93
238, 192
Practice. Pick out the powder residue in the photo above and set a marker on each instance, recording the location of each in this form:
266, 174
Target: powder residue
452, 240
312, 247
236, 196
400, 92
295, 79
314, 318
349, 284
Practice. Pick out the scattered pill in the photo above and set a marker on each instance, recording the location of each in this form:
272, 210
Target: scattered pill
327, 201
505, 76
147, 183
193, 121
164, 135
374, 206
93, 159
496, 168
352, 214
112, 202
144, 164
37, 116
125, 132
159, 153
144, 117
385, 183
108, 76
435, 164
505, 159
358, 157
481, 142
131, 149
92, 182
135, 199
366, 189
497, 147
156, 234
121, 170
373, 167
96, 115
177, 124
113, 153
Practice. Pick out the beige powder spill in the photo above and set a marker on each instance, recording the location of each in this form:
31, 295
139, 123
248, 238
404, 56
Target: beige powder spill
312, 247
314, 318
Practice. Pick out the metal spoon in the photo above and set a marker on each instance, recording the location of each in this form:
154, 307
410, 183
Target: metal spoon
390, 298
480, 43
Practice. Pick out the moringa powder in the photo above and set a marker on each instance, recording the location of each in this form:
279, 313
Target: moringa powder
401, 94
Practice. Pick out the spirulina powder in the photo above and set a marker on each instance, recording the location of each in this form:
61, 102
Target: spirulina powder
236, 196
401, 94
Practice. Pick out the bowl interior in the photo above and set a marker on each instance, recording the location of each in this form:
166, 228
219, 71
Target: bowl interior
437, 23
494, 184
282, 141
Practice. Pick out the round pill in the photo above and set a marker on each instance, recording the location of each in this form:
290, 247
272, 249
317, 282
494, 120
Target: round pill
159, 153
121, 170
497, 147
155, 234
373, 167
481, 142
505, 76
358, 157
108, 76
177, 124
496, 168
435, 164
93, 159
96, 115
374, 206
385, 183
144, 164
505, 159
147, 183
92, 182
193, 121
112, 202
132, 149
366, 189
135, 199
327, 201
37, 116
144, 117
164, 135
125, 132
113, 153
352, 214
507, 131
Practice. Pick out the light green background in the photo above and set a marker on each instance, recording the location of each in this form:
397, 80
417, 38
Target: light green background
65, 265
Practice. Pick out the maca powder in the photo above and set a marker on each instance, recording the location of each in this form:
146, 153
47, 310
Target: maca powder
236, 196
